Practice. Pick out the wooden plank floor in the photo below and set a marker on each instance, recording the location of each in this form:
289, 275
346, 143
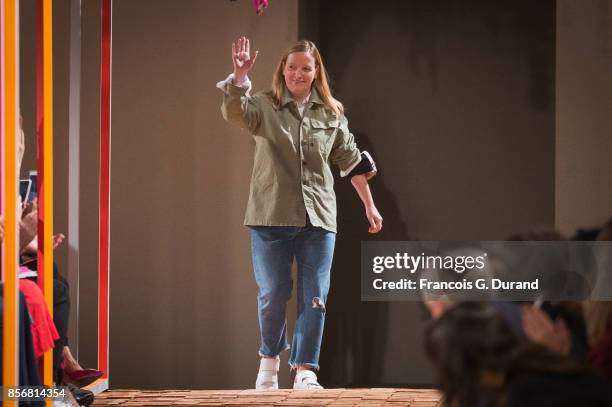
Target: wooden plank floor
327, 397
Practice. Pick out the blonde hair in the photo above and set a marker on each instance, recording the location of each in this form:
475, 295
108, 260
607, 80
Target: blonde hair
321, 81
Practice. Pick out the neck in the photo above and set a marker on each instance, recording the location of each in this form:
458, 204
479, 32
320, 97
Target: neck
301, 99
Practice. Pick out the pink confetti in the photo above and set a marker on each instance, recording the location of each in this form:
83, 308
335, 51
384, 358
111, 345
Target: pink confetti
260, 5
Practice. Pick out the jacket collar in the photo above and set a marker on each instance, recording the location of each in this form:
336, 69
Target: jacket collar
286, 97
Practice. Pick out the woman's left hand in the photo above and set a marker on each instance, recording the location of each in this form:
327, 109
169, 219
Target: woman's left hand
374, 218
360, 183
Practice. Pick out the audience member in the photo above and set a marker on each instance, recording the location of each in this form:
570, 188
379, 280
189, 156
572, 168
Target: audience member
479, 361
558, 325
598, 317
43, 332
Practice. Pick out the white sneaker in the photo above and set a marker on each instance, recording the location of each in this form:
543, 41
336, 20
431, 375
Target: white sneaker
267, 378
306, 380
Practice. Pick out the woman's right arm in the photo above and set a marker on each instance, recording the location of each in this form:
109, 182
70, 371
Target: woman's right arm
238, 107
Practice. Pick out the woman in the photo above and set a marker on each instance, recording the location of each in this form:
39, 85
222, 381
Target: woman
480, 362
299, 131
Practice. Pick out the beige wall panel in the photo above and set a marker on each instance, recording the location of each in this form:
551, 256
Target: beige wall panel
183, 300
584, 119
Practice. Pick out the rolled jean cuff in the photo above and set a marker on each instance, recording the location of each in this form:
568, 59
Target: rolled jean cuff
312, 366
263, 355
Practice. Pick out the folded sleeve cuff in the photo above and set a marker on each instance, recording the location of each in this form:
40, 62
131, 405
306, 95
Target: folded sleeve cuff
225, 84
365, 165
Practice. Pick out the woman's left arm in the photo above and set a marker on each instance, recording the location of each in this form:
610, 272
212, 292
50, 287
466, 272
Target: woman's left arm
360, 183
346, 156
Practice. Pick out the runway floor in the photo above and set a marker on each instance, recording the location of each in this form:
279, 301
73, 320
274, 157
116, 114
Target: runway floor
327, 397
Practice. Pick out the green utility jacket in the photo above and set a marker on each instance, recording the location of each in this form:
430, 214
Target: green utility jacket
291, 170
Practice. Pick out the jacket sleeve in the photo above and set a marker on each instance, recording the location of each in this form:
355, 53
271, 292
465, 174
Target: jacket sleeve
239, 107
344, 153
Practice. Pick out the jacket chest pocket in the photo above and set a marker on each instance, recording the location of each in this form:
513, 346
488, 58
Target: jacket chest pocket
322, 134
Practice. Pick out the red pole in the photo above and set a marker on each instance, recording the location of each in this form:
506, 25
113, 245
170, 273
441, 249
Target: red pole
104, 215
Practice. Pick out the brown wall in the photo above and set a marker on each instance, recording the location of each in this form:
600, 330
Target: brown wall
584, 122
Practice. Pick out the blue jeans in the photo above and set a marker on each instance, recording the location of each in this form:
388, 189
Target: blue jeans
273, 249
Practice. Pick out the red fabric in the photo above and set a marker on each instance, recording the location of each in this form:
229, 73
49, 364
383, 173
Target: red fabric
600, 356
43, 328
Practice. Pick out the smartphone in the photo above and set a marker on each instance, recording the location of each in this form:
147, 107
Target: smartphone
25, 185
34, 187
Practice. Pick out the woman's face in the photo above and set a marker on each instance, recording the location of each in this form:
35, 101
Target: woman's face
299, 72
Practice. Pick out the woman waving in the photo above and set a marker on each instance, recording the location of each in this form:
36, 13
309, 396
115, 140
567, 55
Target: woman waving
300, 131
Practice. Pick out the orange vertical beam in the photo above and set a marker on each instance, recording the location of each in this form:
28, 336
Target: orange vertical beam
10, 98
104, 215
44, 114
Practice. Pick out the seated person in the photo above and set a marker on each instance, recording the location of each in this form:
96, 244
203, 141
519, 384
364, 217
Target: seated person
66, 369
479, 361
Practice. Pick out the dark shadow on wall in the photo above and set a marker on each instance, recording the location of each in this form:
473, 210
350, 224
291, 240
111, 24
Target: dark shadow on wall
356, 332
421, 26
431, 89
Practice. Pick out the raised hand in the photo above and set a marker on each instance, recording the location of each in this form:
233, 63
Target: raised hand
242, 59
57, 240
539, 328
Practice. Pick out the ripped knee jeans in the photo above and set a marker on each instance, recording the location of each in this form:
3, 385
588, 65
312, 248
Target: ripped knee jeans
273, 249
